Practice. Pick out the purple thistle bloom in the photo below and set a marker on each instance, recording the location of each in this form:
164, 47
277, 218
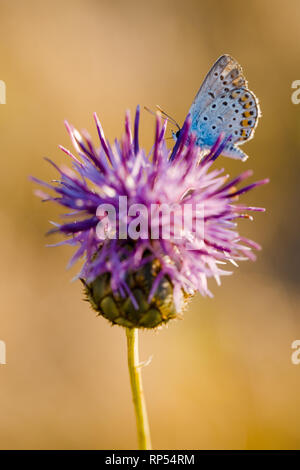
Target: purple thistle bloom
101, 175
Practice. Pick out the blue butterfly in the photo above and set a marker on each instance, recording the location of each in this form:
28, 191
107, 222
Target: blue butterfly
224, 104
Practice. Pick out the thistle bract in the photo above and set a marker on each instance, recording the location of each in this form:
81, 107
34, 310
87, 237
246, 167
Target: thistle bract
144, 312
179, 227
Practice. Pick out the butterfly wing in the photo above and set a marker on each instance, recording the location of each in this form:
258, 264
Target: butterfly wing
223, 104
235, 114
224, 75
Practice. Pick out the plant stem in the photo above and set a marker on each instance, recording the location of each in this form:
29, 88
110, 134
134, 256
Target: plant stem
143, 430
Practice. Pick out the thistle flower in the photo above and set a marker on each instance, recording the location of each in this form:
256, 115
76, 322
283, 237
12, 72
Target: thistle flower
138, 274
144, 260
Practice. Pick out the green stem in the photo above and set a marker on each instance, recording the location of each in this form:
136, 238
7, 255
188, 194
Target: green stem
143, 430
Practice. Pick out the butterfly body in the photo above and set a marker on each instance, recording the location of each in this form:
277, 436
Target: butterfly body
224, 105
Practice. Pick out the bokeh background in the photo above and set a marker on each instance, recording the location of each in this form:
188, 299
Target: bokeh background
223, 377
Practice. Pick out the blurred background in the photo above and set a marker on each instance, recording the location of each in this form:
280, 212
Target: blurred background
223, 377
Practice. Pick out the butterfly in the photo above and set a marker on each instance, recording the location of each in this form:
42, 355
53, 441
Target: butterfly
224, 104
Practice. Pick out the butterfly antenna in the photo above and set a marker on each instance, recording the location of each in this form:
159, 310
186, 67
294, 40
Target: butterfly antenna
149, 110
169, 118
164, 115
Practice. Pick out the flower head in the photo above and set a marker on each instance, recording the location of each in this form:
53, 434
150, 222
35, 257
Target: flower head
177, 229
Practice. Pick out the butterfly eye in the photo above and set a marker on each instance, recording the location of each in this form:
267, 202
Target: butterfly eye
177, 134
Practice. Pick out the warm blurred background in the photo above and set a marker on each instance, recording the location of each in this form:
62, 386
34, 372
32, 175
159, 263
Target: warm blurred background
223, 377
